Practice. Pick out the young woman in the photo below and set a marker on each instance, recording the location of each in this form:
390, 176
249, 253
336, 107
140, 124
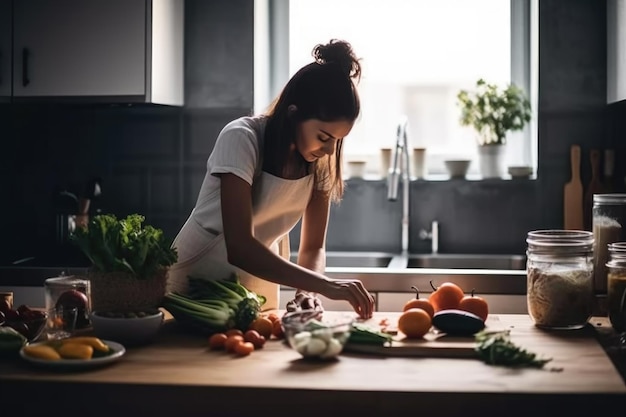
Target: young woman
264, 175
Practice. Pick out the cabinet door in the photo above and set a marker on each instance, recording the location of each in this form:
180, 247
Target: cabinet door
5, 49
79, 47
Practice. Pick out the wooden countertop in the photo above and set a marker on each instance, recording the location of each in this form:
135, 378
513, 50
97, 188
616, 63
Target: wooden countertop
179, 376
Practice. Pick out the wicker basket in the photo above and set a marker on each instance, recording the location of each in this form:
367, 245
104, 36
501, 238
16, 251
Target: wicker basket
120, 291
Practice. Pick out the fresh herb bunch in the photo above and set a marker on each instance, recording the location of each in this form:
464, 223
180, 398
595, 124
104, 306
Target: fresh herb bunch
124, 245
496, 348
492, 111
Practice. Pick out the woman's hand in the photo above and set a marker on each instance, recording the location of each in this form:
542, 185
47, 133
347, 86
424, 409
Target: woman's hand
305, 301
353, 291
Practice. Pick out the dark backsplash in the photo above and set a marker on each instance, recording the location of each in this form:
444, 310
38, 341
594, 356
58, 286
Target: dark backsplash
152, 159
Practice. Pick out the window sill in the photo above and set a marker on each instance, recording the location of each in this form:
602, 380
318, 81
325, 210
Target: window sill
443, 177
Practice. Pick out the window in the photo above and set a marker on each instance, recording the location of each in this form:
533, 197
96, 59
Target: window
416, 56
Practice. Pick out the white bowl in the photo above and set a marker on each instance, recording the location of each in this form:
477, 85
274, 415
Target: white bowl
127, 330
457, 168
520, 171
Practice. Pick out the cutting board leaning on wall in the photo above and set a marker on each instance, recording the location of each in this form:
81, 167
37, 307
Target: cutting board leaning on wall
573, 194
595, 186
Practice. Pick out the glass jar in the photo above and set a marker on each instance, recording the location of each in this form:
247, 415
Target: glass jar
61, 291
609, 217
559, 271
616, 292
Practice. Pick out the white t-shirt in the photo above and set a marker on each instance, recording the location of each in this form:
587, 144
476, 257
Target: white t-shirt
236, 151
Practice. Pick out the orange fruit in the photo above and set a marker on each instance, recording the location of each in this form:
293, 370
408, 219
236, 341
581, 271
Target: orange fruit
447, 296
418, 302
475, 304
263, 325
414, 323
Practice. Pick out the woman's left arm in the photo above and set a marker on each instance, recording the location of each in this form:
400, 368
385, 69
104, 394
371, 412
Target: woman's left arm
312, 252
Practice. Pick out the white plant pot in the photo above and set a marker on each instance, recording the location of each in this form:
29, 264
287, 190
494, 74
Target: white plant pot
491, 161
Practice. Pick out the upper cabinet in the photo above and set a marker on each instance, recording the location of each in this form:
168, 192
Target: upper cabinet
616, 50
5, 50
127, 51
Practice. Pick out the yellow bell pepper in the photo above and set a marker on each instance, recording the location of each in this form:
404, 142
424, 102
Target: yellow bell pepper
42, 352
94, 342
70, 350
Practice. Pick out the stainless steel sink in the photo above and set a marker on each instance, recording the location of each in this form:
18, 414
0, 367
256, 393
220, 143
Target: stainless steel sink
467, 261
336, 259
356, 259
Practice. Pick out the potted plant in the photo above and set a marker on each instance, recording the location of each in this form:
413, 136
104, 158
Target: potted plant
130, 262
493, 112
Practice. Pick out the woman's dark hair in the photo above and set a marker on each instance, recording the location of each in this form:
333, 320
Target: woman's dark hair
323, 90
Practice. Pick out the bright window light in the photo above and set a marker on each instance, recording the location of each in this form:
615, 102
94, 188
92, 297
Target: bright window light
416, 56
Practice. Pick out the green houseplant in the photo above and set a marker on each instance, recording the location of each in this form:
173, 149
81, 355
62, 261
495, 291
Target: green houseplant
494, 111
130, 262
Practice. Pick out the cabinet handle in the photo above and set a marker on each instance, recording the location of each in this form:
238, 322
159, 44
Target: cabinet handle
25, 56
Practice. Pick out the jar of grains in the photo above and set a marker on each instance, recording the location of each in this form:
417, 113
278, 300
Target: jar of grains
609, 215
616, 292
559, 270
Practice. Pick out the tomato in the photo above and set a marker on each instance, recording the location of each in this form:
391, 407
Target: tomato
414, 323
263, 325
446, 297
217, 340
244, 348
475, 304
232, 341
418, 302
231, 332
277, 330
255, 338
273, 317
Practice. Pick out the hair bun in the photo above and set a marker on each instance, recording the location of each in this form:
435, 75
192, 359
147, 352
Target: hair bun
338, 52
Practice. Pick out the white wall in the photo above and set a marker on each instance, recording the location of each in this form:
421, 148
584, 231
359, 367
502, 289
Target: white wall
616, 50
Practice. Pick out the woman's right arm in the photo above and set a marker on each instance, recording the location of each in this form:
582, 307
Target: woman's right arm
247, 253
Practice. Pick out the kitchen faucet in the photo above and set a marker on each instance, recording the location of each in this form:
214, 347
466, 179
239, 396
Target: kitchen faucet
400, 168
433, 236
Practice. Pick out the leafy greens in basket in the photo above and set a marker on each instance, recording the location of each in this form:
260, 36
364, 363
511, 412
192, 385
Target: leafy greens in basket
124, 245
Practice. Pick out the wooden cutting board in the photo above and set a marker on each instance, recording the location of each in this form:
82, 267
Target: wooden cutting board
594, 187
434, 344
573, 194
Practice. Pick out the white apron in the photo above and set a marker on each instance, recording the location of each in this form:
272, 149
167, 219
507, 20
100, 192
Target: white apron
277, 206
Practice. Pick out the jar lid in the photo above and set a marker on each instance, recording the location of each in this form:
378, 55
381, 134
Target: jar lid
554, 240
614, 198
617, 254
65, 281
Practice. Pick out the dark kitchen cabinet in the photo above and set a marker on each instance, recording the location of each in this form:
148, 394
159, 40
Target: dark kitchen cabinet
616, 50
5, 49
94, 50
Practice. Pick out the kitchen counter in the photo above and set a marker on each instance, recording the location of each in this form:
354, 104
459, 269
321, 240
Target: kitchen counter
178, 376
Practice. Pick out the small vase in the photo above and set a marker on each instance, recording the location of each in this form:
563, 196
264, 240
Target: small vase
491, 160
